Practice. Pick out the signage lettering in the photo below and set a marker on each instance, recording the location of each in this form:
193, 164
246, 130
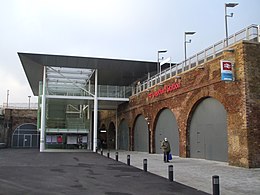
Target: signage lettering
165, 89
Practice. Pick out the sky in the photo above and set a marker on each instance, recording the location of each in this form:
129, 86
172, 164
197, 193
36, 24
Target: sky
120, 29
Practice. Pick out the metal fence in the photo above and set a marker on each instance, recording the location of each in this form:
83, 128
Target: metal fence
32, 106
114, 91
250, 33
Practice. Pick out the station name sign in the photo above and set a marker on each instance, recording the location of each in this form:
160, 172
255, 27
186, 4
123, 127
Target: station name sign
165, 89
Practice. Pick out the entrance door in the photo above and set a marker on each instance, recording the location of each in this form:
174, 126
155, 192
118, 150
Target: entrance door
208, 131
199, 142
123, 137
167, 127
141, 136
27, 142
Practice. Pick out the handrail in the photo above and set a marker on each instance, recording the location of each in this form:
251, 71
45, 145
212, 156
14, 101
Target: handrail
20, 106
251, 32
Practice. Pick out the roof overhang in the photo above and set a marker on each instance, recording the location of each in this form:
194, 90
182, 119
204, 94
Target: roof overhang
110, 71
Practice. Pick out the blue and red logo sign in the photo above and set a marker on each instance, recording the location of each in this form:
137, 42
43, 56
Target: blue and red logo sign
226, 70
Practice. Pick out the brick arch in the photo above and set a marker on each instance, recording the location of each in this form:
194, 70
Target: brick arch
173, 132
190, 110
133, 136
158, 114
111, 135
103, 126
196, 100
102, 137
18, 139
123, 143
183, 119
132, 133
20, 125
206, 94
190, 114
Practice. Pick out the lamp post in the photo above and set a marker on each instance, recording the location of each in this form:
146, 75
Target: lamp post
7, 98
158, 58
29, 101
226, 16
185, 44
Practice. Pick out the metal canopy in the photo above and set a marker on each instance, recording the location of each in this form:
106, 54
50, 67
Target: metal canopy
62, 80
111, 71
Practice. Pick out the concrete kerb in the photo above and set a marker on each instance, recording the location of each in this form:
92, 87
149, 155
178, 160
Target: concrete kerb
196, 173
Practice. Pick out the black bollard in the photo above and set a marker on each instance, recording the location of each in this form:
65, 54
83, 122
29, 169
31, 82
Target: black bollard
215, 185
101, 151
128, 159
145, 165
108, 155
96, 149
116, 156
170, 172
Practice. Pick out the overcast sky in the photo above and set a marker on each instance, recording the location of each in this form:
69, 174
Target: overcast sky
123, 29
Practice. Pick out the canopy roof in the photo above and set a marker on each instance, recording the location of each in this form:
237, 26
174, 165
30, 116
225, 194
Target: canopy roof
110, 71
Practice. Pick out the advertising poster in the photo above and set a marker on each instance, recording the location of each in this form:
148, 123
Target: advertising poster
72, 139
48, 138
226, 70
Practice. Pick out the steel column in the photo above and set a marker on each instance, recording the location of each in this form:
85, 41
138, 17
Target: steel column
43, 110
95, 112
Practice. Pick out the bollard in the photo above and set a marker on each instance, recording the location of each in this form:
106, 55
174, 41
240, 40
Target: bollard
128, 159
145, 165
215, 185
116, 156
170, 172
101, 151
108, 155
96, 149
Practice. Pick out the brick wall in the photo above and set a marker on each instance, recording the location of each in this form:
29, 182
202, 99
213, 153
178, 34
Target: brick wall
240, 99
252, 70
16, 117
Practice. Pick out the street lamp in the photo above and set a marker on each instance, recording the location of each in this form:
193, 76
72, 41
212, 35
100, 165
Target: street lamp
226, 16
158, 58
185, 42
7, 98
29, 100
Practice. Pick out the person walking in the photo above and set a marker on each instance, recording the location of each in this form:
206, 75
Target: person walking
165, 145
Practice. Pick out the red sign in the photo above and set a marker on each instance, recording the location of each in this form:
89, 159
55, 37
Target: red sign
59, 139
165, 89
227, 66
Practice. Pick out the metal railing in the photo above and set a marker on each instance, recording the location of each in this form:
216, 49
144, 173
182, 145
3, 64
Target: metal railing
251, 33
103, 91
32, 106
114, 91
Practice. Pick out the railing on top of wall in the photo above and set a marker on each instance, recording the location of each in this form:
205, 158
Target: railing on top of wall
251, 33
32, 106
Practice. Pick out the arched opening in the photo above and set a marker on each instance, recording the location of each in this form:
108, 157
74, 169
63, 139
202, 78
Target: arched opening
208, 131
123, 136
141, 135
166, 126
102, 137
25, 136
111, 136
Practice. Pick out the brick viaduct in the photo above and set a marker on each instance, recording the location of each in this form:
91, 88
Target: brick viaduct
13, 118
240, 98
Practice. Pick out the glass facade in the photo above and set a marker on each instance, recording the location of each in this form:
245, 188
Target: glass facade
70, 94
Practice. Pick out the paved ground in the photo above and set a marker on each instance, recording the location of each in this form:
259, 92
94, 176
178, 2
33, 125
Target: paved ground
24, 171
80, 172
198, 173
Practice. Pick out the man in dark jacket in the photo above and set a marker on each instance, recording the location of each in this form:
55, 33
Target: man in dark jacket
165, 145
